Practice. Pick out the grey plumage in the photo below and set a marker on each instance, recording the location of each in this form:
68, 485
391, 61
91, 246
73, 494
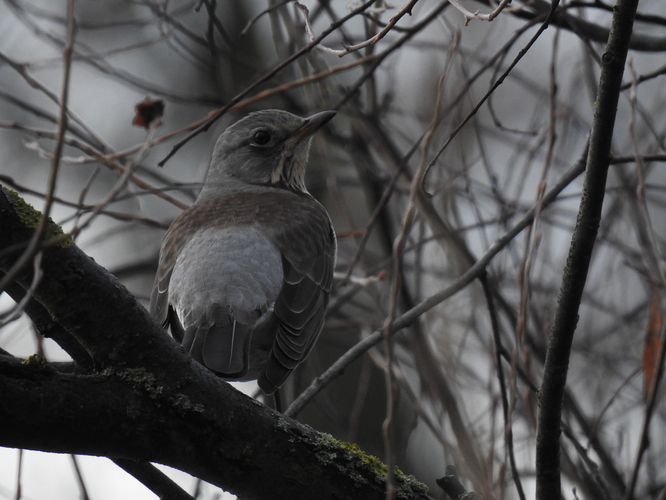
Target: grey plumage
245, 273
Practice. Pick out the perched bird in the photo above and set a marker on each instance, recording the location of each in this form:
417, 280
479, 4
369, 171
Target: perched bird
245, 273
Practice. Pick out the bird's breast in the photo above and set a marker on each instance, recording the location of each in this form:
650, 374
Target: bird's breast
237, 267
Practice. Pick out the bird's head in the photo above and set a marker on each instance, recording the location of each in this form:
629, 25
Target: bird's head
267, 148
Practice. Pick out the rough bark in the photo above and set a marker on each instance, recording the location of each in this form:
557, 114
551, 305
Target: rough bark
147, 400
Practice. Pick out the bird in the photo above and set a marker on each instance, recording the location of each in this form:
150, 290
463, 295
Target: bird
245, 273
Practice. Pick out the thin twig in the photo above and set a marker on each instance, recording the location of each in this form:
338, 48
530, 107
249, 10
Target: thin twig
120, 184
153, 479
396, 283
19, 471
492, 89
404, 320
506, 408
268, 10
348, 49
217, 114
35, 241
659, 272
264, 94
478, 15
22, 70
79, 477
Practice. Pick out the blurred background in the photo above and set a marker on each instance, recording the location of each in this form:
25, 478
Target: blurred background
404, 102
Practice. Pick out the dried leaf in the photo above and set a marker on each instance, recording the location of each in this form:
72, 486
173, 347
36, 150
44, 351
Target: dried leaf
149, 113
652, 342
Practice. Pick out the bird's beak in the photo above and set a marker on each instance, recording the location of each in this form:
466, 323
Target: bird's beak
312, 124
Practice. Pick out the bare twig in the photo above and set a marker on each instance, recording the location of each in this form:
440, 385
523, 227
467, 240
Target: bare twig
268, 10
492, 89
582, 244
35, 241
348, 49
506, 407
657, 272
79, 478
22, 70
478, 15
19, 471
404, 320
217, 114
120, 184
154, 479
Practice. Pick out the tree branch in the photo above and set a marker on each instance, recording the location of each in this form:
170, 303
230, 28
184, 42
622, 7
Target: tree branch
154, 479
584, 28
580, 254
149, 401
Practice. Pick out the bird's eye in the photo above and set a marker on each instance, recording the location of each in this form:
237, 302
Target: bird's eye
261, 138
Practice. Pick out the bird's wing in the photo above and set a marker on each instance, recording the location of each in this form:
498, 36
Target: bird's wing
301, 231
207, 286
178, 234
159, 298
307, 243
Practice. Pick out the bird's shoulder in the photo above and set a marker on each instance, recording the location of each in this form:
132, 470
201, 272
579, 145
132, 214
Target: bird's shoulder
288, 219
276, 211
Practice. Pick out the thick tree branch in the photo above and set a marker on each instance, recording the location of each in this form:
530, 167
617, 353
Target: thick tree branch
149, 401
580, 254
